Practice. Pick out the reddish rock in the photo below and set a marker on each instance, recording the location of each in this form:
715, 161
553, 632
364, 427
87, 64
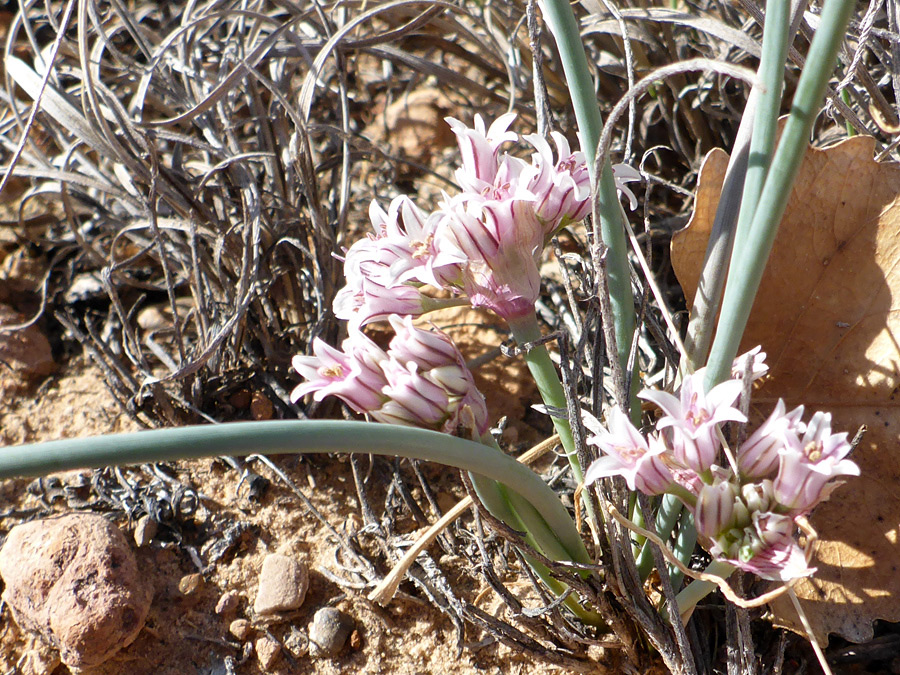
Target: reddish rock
74, 581
24, 352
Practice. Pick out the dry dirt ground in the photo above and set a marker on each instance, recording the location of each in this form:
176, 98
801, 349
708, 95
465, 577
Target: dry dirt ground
184, 634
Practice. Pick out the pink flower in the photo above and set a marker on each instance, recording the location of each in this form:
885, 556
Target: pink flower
440, 361
758, 456
421, 381
622, 173
808, 463
409, 246
562, 188
370, 301
758, 366
627, 454
413, 400
354, 375
716, 512
501, 242
694, 416
768, 549
480, 151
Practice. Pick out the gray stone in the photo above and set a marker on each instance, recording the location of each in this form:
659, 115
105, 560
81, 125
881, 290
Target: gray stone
329, 631
283, 582
74, 581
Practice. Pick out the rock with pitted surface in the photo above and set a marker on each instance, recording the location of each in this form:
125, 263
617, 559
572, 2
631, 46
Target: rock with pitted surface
74, 581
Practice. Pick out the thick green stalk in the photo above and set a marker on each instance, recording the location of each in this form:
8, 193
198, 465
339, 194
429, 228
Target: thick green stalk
297, 436
765, 123
525, 330
754, 143
561, 21
749, 258
670, 509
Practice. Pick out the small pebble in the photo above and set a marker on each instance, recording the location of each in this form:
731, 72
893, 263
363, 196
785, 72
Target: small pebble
228, 602
240, 628
267, 652
296, 642
190, 583
261, 407
283, 582
328, 631
145, 530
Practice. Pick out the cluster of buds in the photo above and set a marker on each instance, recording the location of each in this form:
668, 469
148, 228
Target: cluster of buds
746, 513
482, 246
421, 380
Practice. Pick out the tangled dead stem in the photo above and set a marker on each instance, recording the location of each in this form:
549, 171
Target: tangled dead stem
172, 214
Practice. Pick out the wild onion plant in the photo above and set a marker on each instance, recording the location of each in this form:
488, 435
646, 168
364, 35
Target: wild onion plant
482, 247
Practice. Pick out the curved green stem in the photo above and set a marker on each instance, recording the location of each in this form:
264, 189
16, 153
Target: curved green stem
536, 535
517, 512
297, 436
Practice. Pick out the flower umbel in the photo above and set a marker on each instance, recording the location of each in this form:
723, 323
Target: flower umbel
482, 246
749, 518
421, 380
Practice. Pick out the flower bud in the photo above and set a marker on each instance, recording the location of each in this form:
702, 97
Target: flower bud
714, 513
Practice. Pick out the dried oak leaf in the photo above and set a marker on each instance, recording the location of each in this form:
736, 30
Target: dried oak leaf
828, 315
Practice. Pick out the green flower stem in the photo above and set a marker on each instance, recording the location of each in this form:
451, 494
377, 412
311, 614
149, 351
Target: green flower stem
517, 512
685, 543
695, 591
765, 123
708, 297
525, 330
561, 21
749, 256
670, 508
298, 436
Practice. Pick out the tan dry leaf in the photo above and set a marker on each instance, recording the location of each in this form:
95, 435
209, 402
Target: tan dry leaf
414, 125
828, 315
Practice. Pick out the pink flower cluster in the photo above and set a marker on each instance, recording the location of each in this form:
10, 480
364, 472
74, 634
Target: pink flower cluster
421, 380
747, 518
481, 246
